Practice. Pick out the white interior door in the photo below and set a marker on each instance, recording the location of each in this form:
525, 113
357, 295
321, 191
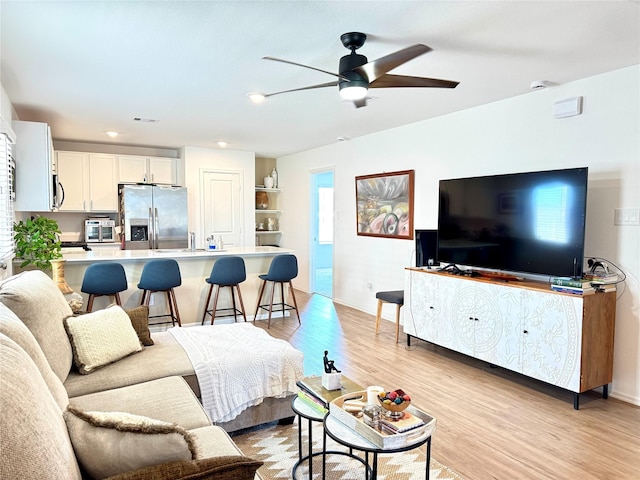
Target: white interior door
222, 206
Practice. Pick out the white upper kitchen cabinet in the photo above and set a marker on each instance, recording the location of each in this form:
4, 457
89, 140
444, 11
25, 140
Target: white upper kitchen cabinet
163, 170
35, 168
89, 182
138, 169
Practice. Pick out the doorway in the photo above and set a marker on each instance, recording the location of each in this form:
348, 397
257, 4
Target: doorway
322, 208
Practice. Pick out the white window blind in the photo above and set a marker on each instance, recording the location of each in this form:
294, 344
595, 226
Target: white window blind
6, 199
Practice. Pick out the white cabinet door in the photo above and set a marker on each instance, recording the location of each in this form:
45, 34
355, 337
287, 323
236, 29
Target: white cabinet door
421, 305
103, 186
431, 302
132, 169
35, 165
163, 170
497, 333
552, 332
73, 174
89, 182
452, 328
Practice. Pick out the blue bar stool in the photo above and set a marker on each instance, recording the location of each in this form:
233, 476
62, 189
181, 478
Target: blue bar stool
226, 272
103, 279
161, 275
282, 270
394, 296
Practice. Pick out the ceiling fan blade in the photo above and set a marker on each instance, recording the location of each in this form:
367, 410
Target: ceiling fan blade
377, 68
310, 87
388, 81
305, 66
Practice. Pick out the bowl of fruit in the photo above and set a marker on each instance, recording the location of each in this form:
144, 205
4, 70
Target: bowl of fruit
394, 402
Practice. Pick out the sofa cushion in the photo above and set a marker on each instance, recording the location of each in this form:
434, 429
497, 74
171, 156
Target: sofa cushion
110, 443
217, 468
101, 337
12, 327
36, 300
151, 399
164, 359
139, 317
33, 440
213, 441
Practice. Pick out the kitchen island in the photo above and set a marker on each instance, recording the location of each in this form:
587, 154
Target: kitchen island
195, 267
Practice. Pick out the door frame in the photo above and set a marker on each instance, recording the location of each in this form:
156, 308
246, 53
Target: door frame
313, 219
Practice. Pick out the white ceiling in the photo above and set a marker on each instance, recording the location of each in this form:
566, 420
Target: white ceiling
86, 67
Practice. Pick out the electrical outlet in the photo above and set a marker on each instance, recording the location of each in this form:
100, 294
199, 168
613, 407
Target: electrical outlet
369, 286
626, 216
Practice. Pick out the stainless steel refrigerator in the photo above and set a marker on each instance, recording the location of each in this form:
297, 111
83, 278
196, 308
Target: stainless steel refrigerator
153, 216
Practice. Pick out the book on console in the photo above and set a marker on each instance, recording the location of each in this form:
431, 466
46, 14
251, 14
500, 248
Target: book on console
571, 282
573, 290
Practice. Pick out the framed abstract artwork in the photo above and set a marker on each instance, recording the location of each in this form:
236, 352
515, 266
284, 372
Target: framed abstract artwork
384, 203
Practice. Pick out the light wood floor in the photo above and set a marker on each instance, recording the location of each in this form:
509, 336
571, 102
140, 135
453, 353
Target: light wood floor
492, 424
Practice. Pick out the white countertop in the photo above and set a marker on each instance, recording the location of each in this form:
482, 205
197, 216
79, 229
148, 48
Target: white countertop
78, 255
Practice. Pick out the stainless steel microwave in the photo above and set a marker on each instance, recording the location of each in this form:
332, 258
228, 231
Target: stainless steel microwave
99, 230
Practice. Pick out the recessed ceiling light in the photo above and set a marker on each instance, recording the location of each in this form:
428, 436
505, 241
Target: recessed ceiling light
222, 143
112, 133
256, 97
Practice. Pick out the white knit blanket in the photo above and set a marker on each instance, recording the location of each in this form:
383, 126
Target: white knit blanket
238, 365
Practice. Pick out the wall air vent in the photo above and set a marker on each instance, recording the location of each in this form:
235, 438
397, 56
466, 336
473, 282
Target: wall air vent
145, 120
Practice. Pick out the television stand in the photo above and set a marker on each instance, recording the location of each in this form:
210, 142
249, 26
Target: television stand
562, 339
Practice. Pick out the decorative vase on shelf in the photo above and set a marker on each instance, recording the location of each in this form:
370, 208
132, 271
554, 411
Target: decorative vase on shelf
274, 175
262, 200
268, 182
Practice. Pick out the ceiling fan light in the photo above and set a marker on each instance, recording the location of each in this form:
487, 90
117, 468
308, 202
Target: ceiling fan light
353, 92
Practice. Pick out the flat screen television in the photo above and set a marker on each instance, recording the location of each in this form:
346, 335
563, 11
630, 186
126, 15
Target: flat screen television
524, 222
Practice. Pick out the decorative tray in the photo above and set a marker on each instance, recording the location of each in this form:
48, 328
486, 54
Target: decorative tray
381, 438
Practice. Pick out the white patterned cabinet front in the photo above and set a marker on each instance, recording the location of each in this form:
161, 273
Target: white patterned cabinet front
477, 319
423, 313
497, 337
551, 338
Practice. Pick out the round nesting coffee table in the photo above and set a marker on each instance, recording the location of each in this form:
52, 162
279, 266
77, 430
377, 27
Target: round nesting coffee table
348, 437
302, 410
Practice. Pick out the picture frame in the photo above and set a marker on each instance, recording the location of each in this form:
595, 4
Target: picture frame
384, 204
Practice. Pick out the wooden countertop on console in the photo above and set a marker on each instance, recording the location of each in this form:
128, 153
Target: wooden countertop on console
515, 282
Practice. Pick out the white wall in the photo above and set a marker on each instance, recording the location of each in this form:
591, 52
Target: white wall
195, 160
514, 135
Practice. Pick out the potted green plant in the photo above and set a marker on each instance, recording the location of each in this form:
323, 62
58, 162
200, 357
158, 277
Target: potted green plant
37, 242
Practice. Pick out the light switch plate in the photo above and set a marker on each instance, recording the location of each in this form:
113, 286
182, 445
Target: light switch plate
626, 216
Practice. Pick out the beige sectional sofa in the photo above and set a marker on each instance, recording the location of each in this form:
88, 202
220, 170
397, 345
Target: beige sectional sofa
123, 424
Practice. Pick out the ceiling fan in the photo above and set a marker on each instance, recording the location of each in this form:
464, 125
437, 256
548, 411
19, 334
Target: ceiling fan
356, 75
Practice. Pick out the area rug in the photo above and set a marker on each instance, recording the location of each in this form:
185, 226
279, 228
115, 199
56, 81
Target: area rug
277, 446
